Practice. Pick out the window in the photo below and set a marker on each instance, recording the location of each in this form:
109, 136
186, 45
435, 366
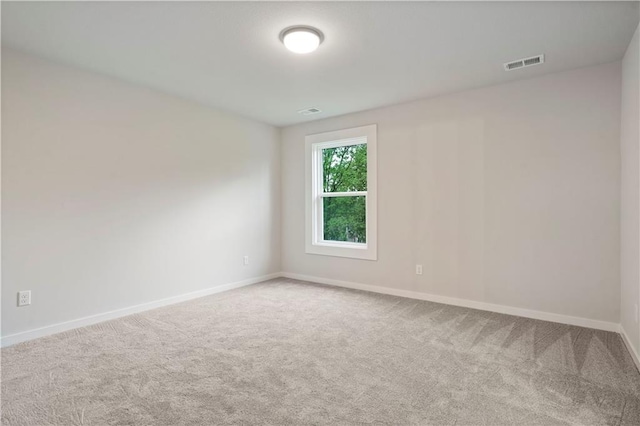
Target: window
341, 193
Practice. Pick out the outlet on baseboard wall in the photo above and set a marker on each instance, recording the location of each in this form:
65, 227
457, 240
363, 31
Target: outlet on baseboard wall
418, 269
245, 260
24, 298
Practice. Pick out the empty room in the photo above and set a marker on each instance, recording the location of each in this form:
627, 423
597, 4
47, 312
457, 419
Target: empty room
320, 213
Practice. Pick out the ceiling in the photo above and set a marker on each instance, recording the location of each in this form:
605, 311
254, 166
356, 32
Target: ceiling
228, 55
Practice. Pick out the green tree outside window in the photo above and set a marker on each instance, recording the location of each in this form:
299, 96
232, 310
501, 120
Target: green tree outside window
345, 170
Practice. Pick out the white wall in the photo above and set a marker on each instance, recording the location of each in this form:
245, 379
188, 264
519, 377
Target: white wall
115, 195
507, 195
630, 190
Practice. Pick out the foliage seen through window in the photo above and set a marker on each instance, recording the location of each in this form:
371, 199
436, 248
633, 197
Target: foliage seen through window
345, 170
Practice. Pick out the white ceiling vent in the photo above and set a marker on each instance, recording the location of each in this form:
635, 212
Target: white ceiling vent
523, 63
310, 111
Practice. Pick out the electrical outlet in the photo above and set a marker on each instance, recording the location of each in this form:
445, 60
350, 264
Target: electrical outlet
418, 269
24, 298
245, 260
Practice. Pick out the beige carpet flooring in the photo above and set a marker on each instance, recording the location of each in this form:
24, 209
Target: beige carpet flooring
290, 353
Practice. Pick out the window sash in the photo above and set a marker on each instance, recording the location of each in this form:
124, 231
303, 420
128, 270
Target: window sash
319, 218
318, 179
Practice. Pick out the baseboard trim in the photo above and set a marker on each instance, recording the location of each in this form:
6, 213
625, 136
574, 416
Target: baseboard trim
632, 350
503, 309
24, 336
483, 306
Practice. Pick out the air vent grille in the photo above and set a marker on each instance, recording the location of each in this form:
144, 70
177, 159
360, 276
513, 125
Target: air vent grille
523, 63
513, 65
310, 111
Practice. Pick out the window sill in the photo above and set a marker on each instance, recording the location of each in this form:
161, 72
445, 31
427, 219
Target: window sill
353, 251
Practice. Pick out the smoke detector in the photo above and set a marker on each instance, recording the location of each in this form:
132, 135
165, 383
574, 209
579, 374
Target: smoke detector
523, 63
310, 111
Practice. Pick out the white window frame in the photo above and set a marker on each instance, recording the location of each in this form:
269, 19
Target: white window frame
314, 144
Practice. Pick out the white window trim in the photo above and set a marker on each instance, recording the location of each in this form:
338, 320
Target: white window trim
313, 207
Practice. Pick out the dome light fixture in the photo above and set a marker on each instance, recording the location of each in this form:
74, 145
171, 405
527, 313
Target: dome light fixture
301, 39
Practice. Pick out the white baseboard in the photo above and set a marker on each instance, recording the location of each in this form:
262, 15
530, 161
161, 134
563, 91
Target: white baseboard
632, 350
12, 339
527, 313
483, 306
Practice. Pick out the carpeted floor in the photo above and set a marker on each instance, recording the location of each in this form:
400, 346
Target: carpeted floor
286, 352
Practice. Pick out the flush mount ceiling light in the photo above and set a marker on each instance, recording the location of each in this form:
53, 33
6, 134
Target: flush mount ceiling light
301, 39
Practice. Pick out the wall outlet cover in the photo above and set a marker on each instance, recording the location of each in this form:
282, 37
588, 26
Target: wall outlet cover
24, 298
